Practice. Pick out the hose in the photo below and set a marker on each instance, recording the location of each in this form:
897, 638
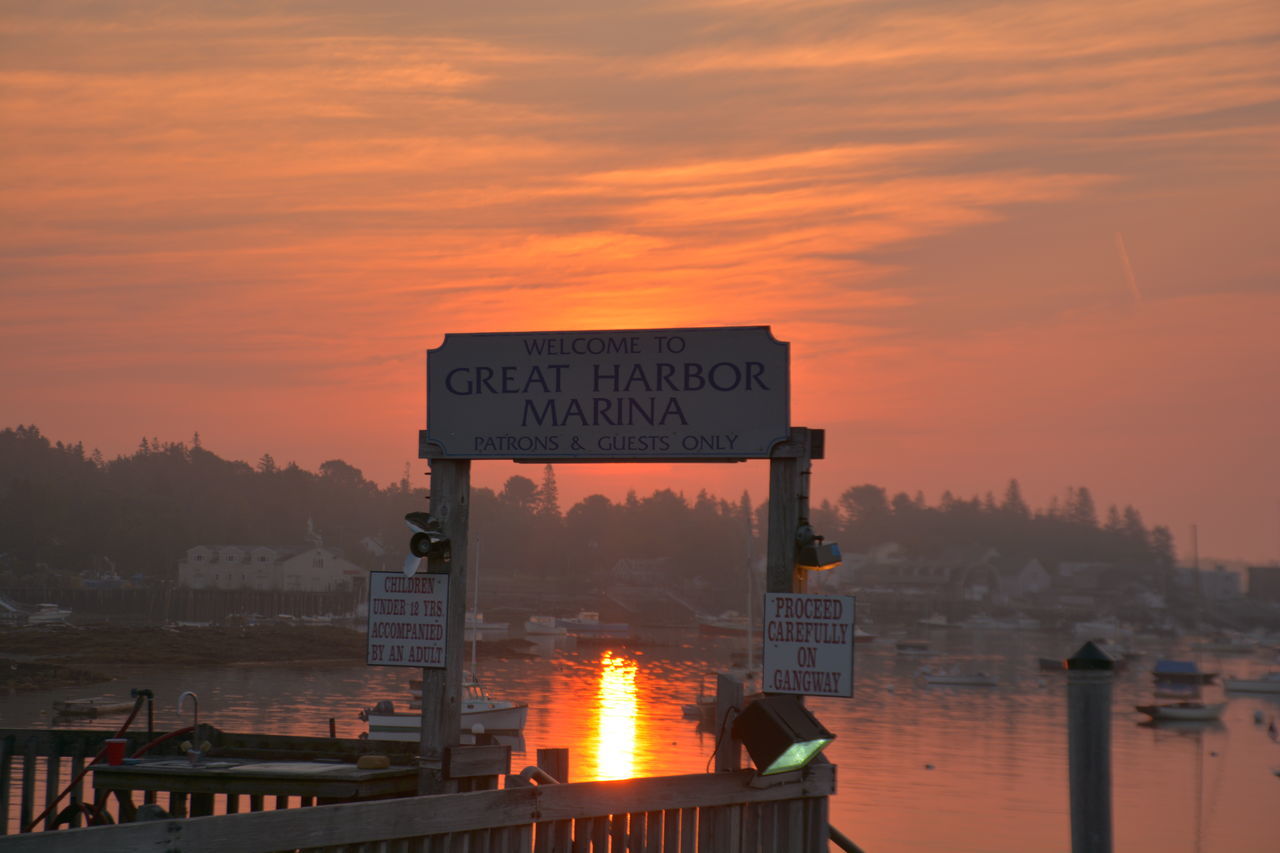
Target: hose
137, 706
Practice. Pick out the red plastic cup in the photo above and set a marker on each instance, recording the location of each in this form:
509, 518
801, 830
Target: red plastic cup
115, 750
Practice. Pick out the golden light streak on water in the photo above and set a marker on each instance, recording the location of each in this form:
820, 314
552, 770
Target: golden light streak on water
618, 701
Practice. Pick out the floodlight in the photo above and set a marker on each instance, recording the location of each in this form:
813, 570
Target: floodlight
819, 555
780, 734
427, 541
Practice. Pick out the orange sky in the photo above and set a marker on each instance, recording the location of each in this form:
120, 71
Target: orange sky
1034, 240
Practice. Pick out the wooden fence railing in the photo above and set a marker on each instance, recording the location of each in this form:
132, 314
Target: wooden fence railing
37, 764
733, 812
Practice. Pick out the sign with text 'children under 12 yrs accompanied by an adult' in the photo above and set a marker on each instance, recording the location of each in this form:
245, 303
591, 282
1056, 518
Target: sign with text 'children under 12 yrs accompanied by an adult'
808, 644
625, 394
407, 617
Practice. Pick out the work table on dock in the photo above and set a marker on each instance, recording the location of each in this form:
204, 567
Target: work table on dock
318, 781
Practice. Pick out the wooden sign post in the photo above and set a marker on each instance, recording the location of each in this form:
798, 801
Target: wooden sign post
693, 395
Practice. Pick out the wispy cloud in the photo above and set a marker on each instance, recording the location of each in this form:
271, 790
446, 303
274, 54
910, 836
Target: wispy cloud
217, 199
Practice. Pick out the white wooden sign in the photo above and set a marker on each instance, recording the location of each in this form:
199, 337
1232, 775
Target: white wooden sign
808, 644
628, 394
407, 617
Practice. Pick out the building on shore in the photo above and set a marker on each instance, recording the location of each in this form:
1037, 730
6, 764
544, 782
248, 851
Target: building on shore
315, 569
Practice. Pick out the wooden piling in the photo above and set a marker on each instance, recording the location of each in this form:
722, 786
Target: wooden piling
1089, 677
729, 699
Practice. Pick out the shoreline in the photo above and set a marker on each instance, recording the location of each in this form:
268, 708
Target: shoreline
36, 658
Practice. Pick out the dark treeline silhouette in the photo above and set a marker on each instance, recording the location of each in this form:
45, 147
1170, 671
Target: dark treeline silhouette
67, 512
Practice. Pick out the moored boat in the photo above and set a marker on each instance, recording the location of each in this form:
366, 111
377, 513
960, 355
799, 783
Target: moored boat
1180, 672
727, 624
94, 706
1182, 711
958, 679
48, 614
491, 715
1266, 683
587, 626
543, 626
480, 630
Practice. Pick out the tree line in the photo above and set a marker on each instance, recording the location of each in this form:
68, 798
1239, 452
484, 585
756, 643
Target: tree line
67, 512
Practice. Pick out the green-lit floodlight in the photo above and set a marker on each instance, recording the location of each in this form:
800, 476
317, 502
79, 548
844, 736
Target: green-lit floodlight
780, 734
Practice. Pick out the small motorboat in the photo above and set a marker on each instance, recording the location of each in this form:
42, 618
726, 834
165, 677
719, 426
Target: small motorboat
913, 647
1180, 672
478, 710
94, 706
1183, 711
587, 627
543, 626
958, 679
1268, 683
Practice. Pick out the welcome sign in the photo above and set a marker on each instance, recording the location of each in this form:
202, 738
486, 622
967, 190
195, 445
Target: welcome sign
637, 394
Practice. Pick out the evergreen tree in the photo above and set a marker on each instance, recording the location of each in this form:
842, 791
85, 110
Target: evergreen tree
1013, 503
1081, 509
548, 497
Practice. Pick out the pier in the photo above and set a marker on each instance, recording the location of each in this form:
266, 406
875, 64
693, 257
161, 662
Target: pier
724, 812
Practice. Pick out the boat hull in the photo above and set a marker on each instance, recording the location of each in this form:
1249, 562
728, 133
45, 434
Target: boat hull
975, 680
1270, 684
90, 707
1183, 711
407, 726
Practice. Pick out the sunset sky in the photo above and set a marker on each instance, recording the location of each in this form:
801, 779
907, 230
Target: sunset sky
1034, 240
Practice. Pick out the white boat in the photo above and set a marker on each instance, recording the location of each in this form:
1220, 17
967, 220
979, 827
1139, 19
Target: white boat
959, 679
1102, 628
587, 626
478, 629
478, 709
48, 614
1183, 711
727, 624
543, 626
93, 706
983, 622
1267, 683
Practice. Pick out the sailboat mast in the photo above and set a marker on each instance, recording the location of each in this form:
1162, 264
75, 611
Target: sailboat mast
475, 628
751, 662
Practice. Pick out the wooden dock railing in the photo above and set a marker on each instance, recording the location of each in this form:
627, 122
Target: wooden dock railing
37, 764
732, 812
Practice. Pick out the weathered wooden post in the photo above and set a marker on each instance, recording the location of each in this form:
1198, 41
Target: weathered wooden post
728, 696
788, 503
442, 688
1089, 675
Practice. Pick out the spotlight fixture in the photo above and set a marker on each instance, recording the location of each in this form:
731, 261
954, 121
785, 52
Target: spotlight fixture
780, 734
813, 553
428, 541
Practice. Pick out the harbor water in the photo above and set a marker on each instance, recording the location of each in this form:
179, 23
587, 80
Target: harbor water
921, 767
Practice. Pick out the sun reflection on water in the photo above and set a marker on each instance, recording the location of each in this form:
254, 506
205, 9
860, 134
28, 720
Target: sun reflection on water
616, 746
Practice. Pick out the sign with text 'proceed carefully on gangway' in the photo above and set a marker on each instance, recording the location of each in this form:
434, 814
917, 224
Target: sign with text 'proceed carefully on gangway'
631, 394
808, 644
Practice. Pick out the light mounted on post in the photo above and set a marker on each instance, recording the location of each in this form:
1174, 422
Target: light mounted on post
780, 734
813, 553
428, 541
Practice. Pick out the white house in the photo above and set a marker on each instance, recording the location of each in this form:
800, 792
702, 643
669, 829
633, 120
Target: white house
316, 569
